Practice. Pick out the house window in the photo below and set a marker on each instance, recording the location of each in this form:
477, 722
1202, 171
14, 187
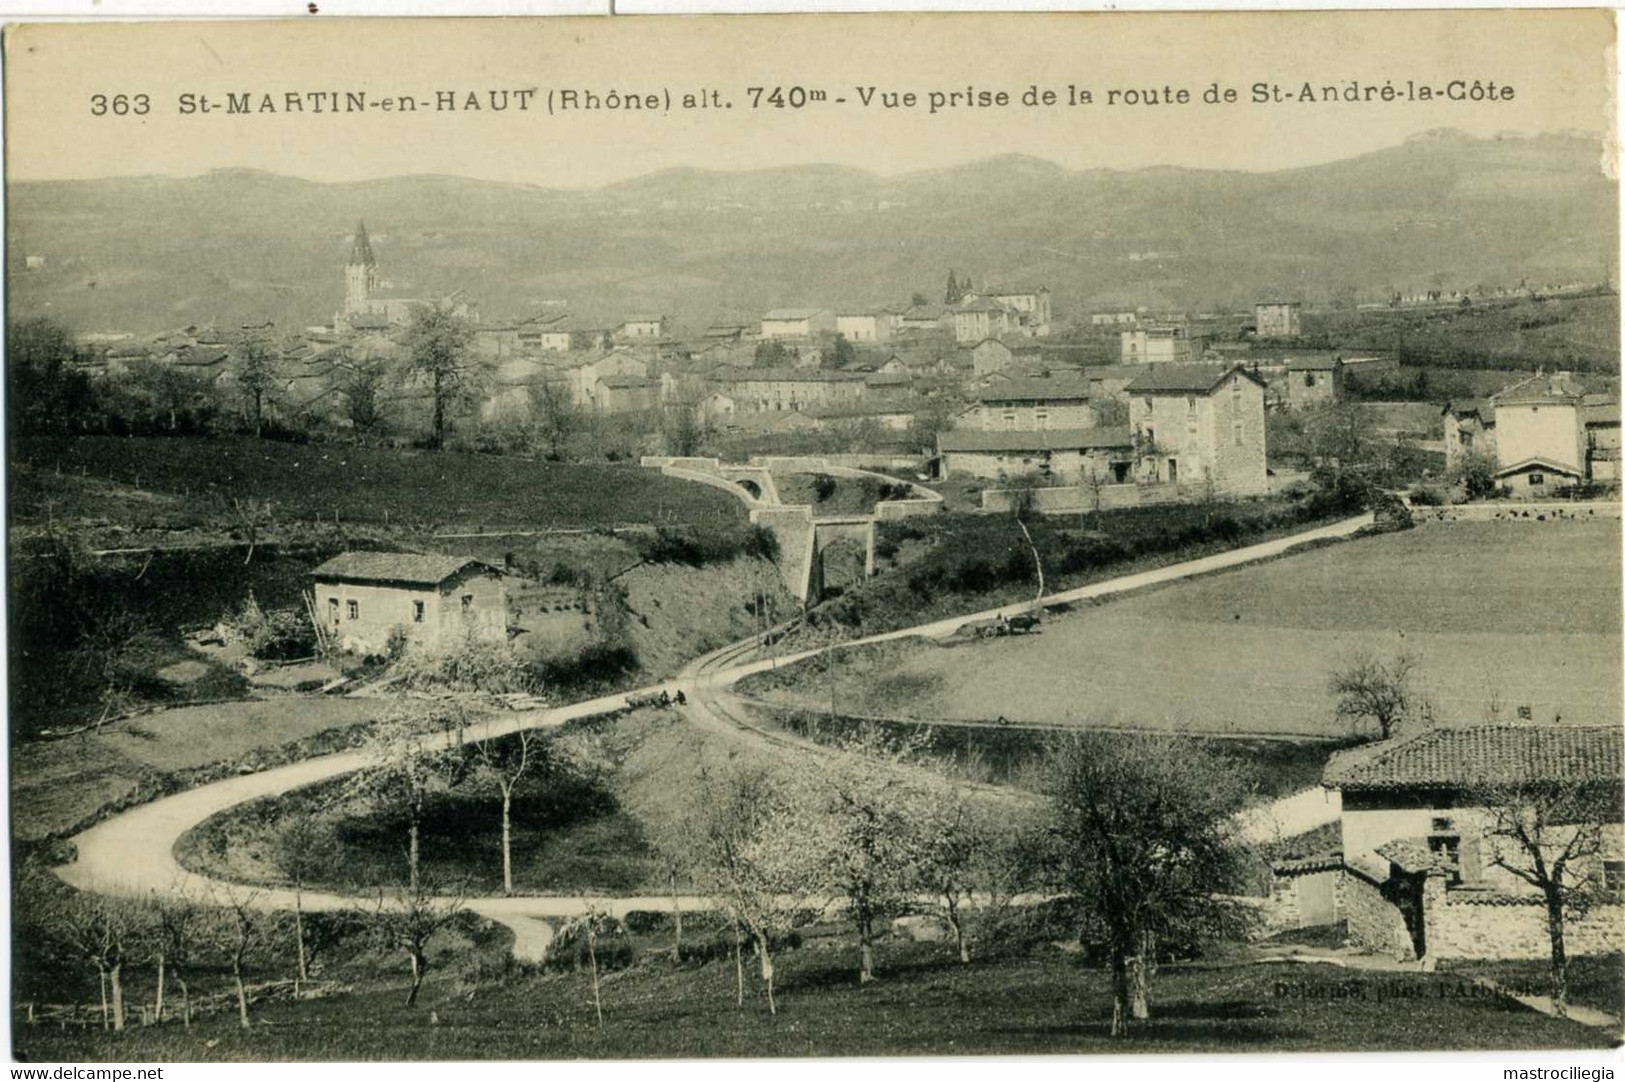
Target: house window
1041, 418
355, 610
1445, 841
1190, 404
1173, 471
468, 602
1537, 479
1308, 379
1613, 877
1236, 428
417, 612
1150, 403
1010, 419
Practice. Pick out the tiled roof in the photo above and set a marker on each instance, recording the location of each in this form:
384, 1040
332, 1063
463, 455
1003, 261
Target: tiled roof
1050, 439
405, 568
1330, 860
1482, 408
1034, 388
1414, 855
787, 375
792, 314
1537, 462
1451, 757
1315, 362
1541, 390
1600, 413
1183, 378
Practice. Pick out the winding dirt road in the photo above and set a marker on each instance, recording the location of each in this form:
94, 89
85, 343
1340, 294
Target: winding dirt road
133, 853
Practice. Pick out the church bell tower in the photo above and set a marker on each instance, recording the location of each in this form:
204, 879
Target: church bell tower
360, 274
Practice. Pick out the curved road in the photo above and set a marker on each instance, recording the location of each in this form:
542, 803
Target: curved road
133, 853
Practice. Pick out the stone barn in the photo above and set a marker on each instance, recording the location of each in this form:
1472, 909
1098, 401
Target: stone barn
362, 597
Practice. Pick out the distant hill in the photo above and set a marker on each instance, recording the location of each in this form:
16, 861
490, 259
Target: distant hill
1441, 210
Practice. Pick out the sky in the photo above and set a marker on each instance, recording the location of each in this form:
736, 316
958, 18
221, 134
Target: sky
1557, 63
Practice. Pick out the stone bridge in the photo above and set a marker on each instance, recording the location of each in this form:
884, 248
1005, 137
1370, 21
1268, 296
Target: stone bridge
802, 536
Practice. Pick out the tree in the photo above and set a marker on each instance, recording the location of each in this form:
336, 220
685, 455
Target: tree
1142, 831
865, 839
556, 417
842, 353
1551, 836
110, 656
953, 844
1380, 692
302, 848
770, 354
592, 923
176, 920
96, 928
681, 428
239, 928
407, 918
414, 751
1110, 411
437, 347
501, 764
361, 394
44, 391
919, 300
749, 852
256, 374
1475, 472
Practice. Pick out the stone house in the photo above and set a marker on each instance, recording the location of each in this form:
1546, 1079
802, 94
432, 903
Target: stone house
755, 390
982, 318
876, 325
590, 370
1419, 876
643, 327
1601, 415
1540, 435
1161, 343
796, 323
436, 601
1469, 428
1032, 307
1033, 403
1311, 380
1199, 424
1277, 319
1064, 456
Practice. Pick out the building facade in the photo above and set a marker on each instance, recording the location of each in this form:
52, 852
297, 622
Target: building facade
1277, 319
365, 598
1199, 424
781, 323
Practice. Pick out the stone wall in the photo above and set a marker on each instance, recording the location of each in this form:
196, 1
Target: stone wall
1473, 924
1299, 899
1374, 922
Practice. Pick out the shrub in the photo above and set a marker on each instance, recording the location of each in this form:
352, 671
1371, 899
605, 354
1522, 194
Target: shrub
1429, 496
472, 665
823, 486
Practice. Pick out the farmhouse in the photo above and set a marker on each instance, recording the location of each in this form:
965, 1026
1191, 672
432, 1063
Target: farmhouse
984, 318
1311, 380
1540, 435
1069, 456
1420, 873
774, 389
1030, 404
1031, 304
1277, 319
871, 326
1161, 343
796, 323
645, 327
363, 597
1200, 423
1469, 428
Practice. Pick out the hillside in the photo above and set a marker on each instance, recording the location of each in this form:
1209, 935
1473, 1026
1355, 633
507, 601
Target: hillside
1442, 210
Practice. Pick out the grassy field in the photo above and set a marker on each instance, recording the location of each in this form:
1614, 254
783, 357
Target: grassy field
1038, 1001
57, 785
1251, 650
379, 485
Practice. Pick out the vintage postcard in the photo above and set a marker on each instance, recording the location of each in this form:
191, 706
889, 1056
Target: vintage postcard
799, 536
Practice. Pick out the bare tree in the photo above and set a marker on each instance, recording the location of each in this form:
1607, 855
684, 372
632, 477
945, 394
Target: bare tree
406, 919
1383, 693
1550, 835
593, 922
502, 764
241, 927
176, 928
97, 928
1142, 830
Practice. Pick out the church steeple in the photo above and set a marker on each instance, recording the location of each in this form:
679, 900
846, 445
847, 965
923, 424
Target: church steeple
361, 250
360, 275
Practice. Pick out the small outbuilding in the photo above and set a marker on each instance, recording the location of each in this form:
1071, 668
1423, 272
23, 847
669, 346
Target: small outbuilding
362, 597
